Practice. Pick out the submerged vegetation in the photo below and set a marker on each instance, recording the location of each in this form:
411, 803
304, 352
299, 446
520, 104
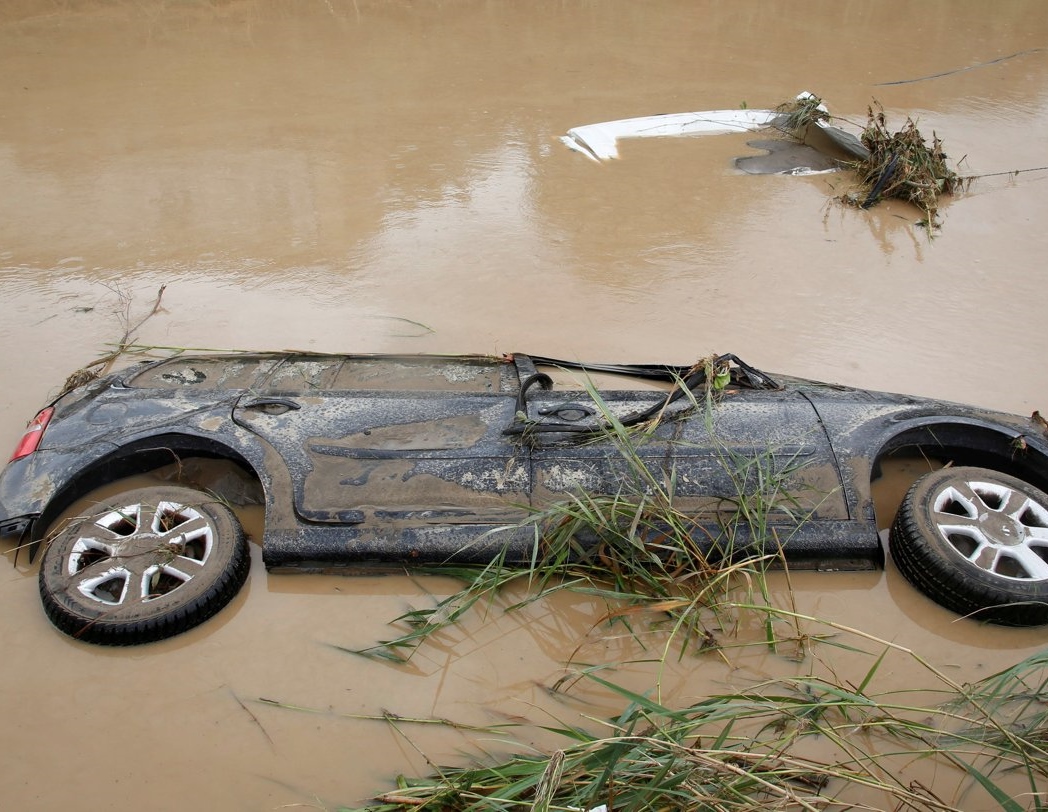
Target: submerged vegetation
805, 743
815, 741
636, 547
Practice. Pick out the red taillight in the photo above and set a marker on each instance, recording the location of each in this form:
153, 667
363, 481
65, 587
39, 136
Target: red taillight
33, 434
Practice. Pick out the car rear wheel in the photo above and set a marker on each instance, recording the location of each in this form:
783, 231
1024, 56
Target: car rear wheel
976, 541
149, 564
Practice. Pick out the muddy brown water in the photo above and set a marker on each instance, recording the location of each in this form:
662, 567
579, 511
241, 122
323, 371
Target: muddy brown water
365, 176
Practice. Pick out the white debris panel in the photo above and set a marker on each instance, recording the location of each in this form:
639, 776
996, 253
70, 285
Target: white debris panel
598, 141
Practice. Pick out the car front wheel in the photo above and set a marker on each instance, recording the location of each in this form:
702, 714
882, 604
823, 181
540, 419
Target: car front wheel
976, 541
149, 564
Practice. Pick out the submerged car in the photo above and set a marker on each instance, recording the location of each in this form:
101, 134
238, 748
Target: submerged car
365, 460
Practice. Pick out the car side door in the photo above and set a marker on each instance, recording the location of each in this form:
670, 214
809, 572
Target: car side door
745, 458
394, 441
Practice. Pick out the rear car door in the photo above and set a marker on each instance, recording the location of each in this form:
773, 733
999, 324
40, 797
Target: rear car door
394, 441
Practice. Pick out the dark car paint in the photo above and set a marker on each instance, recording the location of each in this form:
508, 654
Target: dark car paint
359, 463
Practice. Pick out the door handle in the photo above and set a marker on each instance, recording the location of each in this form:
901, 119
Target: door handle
568, 411
271, 406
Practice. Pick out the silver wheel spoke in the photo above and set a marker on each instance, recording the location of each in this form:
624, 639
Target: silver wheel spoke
1037, 535
196, 527
951, 523
187, 567
1015, 504
1035, 566
961, 494
106, 584
120, 523
191, 546
167, 519
97, 570
105, 535
951, 527
159, 581
985, 558
974, 495
979, 557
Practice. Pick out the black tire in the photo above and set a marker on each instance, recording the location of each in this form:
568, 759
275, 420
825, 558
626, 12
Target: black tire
976, 541
149, 564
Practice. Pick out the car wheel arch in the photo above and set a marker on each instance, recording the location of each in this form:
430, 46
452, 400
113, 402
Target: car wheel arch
142, 456
965, 442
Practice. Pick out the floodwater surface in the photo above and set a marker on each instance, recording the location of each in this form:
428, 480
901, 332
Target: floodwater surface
388, 177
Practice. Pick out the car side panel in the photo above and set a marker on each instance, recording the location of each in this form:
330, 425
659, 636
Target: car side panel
749, 443
370, 458
764, 450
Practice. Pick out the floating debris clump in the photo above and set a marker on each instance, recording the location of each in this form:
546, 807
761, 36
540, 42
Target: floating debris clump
904, 166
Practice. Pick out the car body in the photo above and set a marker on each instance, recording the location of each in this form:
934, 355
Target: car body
376, 459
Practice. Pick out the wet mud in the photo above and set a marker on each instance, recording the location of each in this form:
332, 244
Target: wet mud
341, 176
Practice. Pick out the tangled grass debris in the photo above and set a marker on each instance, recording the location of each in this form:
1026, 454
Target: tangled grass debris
903, 165
900, 164
801, 112
764, 748
103, 365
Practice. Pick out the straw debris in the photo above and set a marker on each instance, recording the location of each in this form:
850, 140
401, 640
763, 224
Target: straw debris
902, 165
101, 366
799, 113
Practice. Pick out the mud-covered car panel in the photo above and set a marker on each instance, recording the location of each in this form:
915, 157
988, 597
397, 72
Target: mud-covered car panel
367, 459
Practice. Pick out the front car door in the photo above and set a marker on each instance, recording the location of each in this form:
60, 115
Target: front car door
388, 446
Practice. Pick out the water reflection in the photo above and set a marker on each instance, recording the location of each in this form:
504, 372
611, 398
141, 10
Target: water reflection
326, 175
